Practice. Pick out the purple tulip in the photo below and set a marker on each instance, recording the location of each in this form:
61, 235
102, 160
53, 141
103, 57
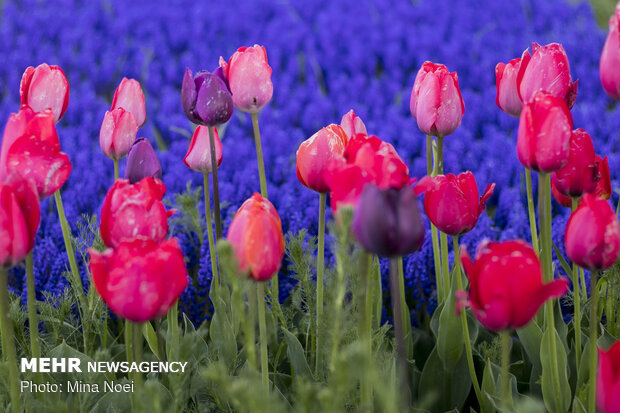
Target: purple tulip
388, 222
142, 162
206, 97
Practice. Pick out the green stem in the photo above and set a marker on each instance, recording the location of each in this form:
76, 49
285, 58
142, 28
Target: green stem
216, 187
583, 283
364, 328
262, 331
445, 265
435, 237
137, 350
470, 355
35, 346
259, 156
404, 309
215, 280
439, 164
173, 329
249, 324
338, 299
505, 338
531, 210
577, 302
319, 278
129, 341
8, 345
593, 340
401, 351
116, 162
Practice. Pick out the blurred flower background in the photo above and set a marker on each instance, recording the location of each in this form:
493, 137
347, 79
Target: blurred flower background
327, 57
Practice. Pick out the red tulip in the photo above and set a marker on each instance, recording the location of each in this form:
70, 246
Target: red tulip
548, 70
128, 95
508, 98
19, 219
36, 155
592, 236
140, 279
315, 154
451, 202
117, 134
45, 87
580, 174
134, 210
565, 201
545, 128
15, 128
256, 237
352, 124
610, 58
608, 379
249, 77
436, 101
198, 155
603, 186
506, 288
346, 183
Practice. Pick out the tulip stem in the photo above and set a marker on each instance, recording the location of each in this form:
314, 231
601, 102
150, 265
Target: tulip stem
35, 346
340, 288
319, 278
531, 209
470, 355
404, 309
116, 162
505, 338
576, 302
262, 331
401, 352
173, 328
249, 324
137, 350
593, 339
259, 156
365, 329
439, 164
434, 236
8, 345
128, 341
216, 187
215, 280
445, 267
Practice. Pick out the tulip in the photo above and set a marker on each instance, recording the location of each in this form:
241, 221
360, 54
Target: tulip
506, 287
198, 155
128, 95
134, 210
508, 98
117, 134
36, 155
256, 236
315, 154
592, 236
142, 162
543, 142
352, 124
45, 87
249, 76
206, 98
565, 201
610, 58
388, 222
548, 70
608, 379
452, 203
140, 279
603, 186
19, 219
436, 101
580, 174
15, 128
346, 183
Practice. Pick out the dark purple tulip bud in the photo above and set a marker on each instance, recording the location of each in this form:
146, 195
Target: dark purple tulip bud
206, 98
142, 162
388, 222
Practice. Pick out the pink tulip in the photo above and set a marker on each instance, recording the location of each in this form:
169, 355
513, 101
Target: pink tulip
508, 98
608, 379
580, 175
198, 155
129, 96
352, 124
45, 87
15, 128
610, 58
117, 134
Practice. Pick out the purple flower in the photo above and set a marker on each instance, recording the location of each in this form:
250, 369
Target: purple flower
206, 97
142, 162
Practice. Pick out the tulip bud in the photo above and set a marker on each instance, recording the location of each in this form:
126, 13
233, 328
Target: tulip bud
580, 174
19, 219
15, 128
128, 95
249, 76
548, 70
592, 236
198, 155
117, 134
352, 124
610, 58
142, 162
140, 279
603, 185
256, 237
451, 202
508, 98
134, 210
608, 379
545, 128
506, 286
206, 98
315, 154
45, 87
388, 222
36, 155
436, 101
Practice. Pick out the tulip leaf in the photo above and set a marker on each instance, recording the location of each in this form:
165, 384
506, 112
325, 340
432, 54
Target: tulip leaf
531, 337
565, 266
492, 387
376, 295
445, 389
489, 388
450, 340
297, 355
151, 338
556, 394
578, 406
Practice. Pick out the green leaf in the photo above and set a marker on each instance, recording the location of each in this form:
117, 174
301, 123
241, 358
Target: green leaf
450, 340
567, 268
557, 396
531, 337
489, 388
151, 338
446, 389
578, 407
297, 355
